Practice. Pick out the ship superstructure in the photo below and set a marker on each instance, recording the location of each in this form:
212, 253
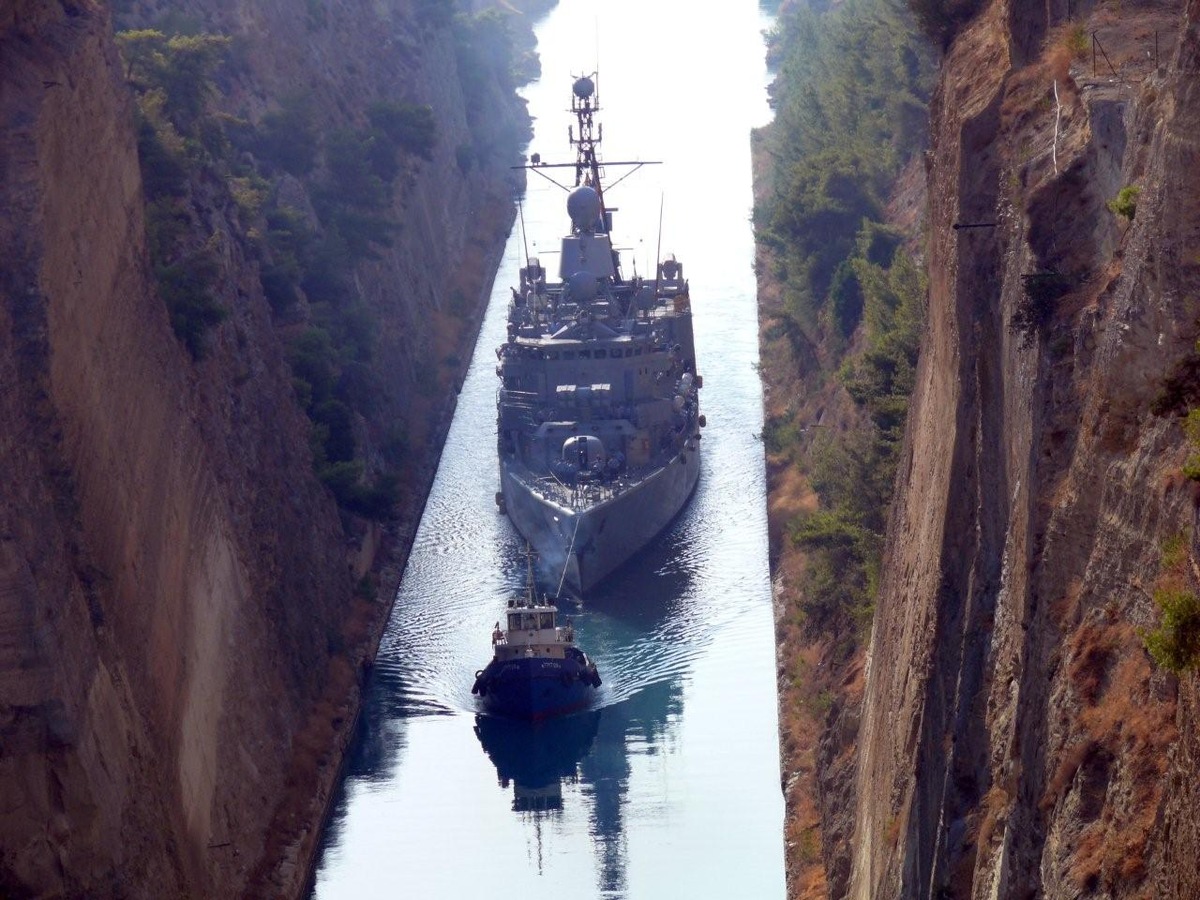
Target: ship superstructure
598, 410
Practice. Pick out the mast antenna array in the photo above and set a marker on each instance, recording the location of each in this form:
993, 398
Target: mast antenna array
585, 103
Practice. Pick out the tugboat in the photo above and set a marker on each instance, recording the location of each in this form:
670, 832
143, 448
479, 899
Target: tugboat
598, 413
536, 671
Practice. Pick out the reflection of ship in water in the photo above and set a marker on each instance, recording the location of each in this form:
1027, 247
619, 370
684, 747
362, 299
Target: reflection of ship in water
628, 728
591, 757
536, 759
649, 645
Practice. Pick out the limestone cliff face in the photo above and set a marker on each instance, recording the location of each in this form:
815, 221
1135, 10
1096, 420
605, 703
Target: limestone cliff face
179, 636
161, 641
1016, 738
340, 56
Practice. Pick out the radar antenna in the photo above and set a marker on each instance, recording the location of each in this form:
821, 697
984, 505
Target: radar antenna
585, 103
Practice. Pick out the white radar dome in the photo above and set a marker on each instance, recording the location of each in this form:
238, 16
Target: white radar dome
583, 206
584, 87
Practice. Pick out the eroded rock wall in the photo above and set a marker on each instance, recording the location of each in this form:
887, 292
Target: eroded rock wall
180, 638
1017, 739
174, 568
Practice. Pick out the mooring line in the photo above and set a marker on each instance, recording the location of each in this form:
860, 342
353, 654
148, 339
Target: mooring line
570, 549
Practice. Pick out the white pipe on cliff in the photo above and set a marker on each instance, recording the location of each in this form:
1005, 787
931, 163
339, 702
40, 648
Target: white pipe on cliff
1057, 119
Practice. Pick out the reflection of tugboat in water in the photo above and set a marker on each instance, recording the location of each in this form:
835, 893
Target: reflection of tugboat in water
536, 670
536, 759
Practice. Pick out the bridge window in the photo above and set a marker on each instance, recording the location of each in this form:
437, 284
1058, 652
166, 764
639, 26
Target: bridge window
600, 354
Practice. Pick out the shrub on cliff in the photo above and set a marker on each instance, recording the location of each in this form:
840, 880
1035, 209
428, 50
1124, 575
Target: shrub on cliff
186, 287
818, 216
405, 126
1191, 429
287, 137
1125, 203
841, 572
486, 52
164, 171
1181, 387
372, 501
182, 66
1175, 644
882, 377
941, 19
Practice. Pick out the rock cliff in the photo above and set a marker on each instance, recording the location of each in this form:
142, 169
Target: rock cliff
1016, 738
181, 640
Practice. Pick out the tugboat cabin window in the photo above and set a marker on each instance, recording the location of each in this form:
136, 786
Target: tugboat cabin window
600, 354
568, 354
585, 354
514, 621
552, 354
546, 620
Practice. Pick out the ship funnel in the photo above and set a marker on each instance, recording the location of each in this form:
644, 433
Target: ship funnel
583, 206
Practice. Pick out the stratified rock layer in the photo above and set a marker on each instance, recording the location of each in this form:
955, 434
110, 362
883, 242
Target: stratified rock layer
179, 636
1016, 738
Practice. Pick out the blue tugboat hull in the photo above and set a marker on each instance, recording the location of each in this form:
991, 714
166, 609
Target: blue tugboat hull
534, 688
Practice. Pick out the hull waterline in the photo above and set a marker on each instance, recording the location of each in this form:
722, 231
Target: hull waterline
581, 546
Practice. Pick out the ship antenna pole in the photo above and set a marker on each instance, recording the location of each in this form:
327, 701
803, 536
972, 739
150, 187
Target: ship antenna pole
524, 242
658, 251
530, 598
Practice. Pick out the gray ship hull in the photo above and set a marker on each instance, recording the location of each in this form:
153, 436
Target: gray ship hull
581, 543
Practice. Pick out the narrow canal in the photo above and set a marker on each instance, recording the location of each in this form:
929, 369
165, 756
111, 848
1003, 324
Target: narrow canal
670, 787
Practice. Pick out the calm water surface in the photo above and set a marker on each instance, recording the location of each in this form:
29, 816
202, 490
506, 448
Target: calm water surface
669, 787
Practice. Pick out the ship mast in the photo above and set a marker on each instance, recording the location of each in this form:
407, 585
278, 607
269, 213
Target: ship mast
585, 103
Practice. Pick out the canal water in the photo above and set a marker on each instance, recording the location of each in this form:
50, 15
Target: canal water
670, 786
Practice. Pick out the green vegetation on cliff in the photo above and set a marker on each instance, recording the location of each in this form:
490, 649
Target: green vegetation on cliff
306, 203
1175, 643
850, 99
178, 140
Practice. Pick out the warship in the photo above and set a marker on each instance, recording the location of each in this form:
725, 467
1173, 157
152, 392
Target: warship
598, 412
